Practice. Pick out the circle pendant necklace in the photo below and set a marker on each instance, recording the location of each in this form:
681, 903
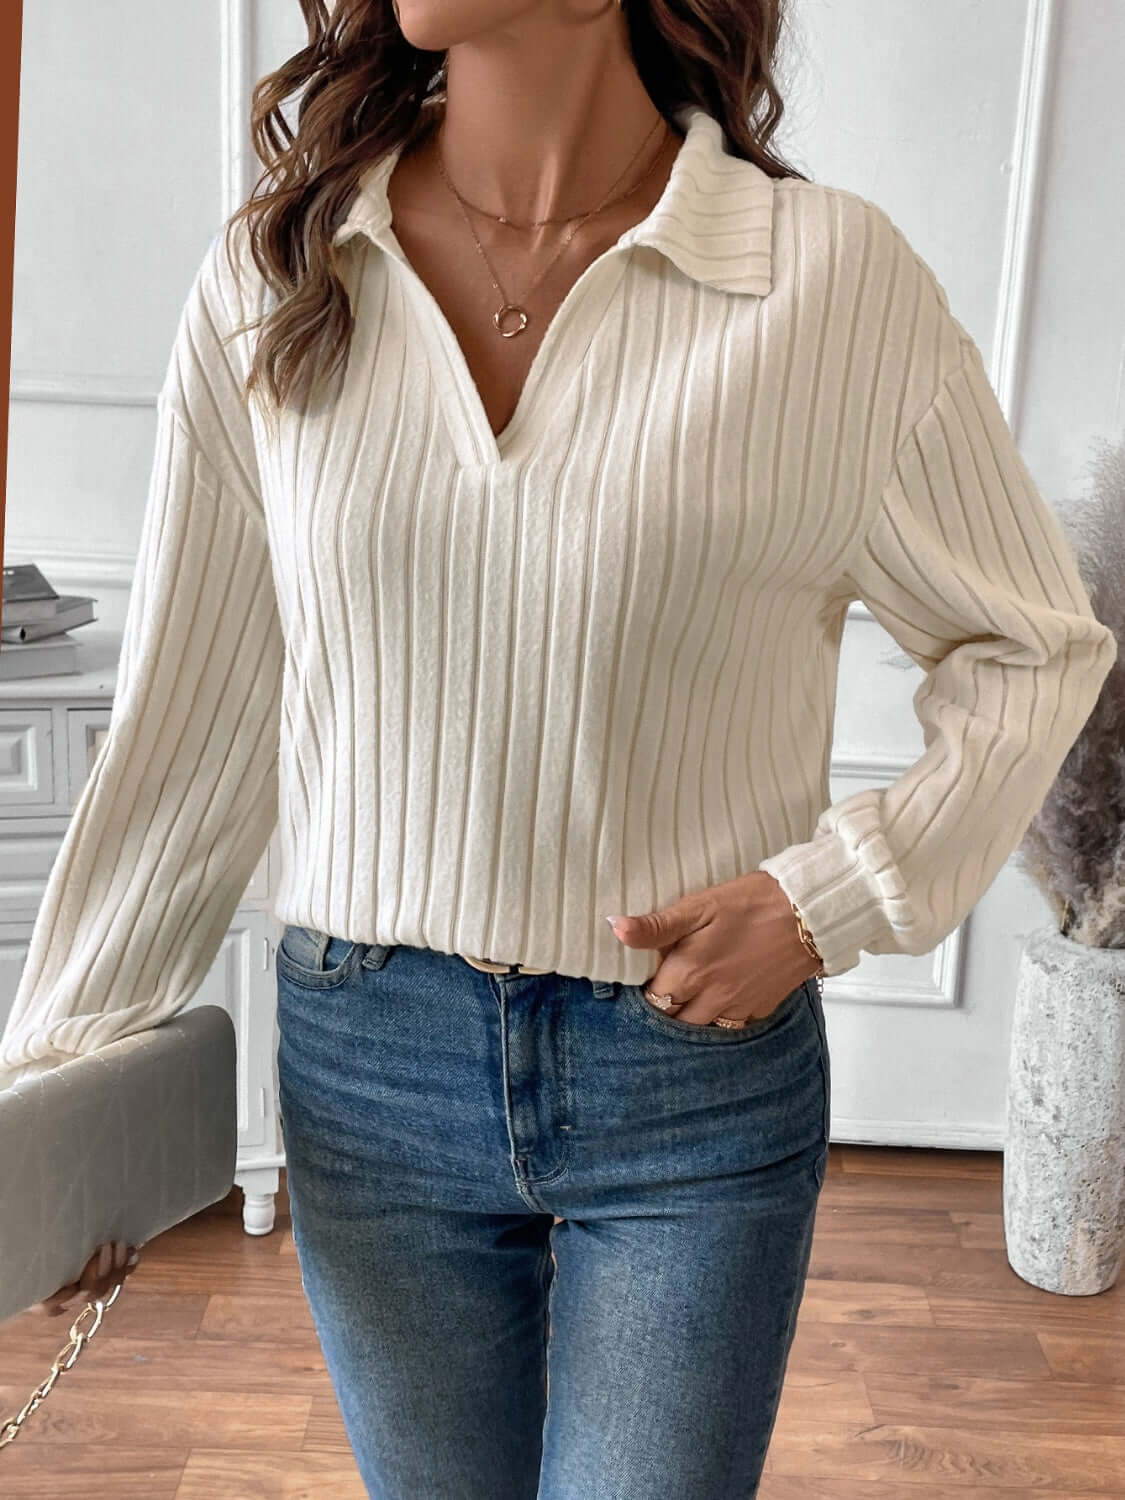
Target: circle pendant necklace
507, 311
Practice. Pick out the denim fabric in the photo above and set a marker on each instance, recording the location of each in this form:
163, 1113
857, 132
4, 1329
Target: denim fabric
437, 1118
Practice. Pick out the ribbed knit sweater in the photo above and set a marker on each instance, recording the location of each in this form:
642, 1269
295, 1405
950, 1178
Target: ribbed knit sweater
492, 689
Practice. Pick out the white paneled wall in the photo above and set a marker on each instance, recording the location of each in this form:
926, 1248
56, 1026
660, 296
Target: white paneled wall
992, 131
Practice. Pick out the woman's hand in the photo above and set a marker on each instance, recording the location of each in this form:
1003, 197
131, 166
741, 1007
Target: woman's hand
105, 1267
729, 950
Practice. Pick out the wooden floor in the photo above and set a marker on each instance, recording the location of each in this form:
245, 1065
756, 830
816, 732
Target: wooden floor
923, 1367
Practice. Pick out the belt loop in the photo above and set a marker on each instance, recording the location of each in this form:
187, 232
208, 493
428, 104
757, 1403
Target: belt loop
377, 955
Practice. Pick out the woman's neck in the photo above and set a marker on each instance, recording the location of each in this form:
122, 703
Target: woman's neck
524, 135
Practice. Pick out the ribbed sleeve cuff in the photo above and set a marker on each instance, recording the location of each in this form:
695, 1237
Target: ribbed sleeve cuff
835, 897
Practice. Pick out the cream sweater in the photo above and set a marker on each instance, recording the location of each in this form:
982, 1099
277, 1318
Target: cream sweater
493, 689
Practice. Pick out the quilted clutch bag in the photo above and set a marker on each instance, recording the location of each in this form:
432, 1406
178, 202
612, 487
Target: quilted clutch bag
120, 1144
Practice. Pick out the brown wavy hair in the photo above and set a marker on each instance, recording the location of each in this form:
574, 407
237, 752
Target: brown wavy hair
362, 88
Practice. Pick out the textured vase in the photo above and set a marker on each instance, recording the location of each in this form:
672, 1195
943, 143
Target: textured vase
1064, 1162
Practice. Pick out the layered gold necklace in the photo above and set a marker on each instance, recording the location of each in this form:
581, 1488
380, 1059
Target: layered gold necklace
509, 310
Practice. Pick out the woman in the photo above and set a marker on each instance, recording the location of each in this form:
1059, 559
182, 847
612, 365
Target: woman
577, 423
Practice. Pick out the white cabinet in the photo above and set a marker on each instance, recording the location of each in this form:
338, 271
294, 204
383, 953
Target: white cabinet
241, 980
51, 729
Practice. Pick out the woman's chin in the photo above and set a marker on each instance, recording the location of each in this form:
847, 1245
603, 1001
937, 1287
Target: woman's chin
437, 25
429, 25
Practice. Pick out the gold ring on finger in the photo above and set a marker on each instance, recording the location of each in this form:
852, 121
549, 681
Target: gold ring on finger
662, 1002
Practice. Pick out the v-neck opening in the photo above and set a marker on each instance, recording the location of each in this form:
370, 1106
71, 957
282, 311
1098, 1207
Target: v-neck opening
581, 311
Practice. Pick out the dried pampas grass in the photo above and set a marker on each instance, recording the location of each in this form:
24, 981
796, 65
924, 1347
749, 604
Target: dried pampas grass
1074, 848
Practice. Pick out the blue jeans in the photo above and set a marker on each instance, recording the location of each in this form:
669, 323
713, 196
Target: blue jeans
437, 1119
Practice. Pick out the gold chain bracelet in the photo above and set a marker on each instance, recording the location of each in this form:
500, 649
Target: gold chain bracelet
807, 939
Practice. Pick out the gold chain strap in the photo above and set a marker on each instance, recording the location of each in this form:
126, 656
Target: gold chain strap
63, 1360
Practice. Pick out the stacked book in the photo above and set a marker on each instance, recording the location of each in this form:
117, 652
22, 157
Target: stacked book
34, 621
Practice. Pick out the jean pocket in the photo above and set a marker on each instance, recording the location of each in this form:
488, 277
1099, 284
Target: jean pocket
708, 1033
317, 960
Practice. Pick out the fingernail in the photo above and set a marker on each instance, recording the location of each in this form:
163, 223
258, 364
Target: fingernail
613, 921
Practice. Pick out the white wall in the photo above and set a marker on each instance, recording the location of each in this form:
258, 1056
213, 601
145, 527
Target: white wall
992, 131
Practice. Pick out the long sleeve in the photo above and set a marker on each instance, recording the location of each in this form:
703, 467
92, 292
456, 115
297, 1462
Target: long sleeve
182, 798
969, 570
